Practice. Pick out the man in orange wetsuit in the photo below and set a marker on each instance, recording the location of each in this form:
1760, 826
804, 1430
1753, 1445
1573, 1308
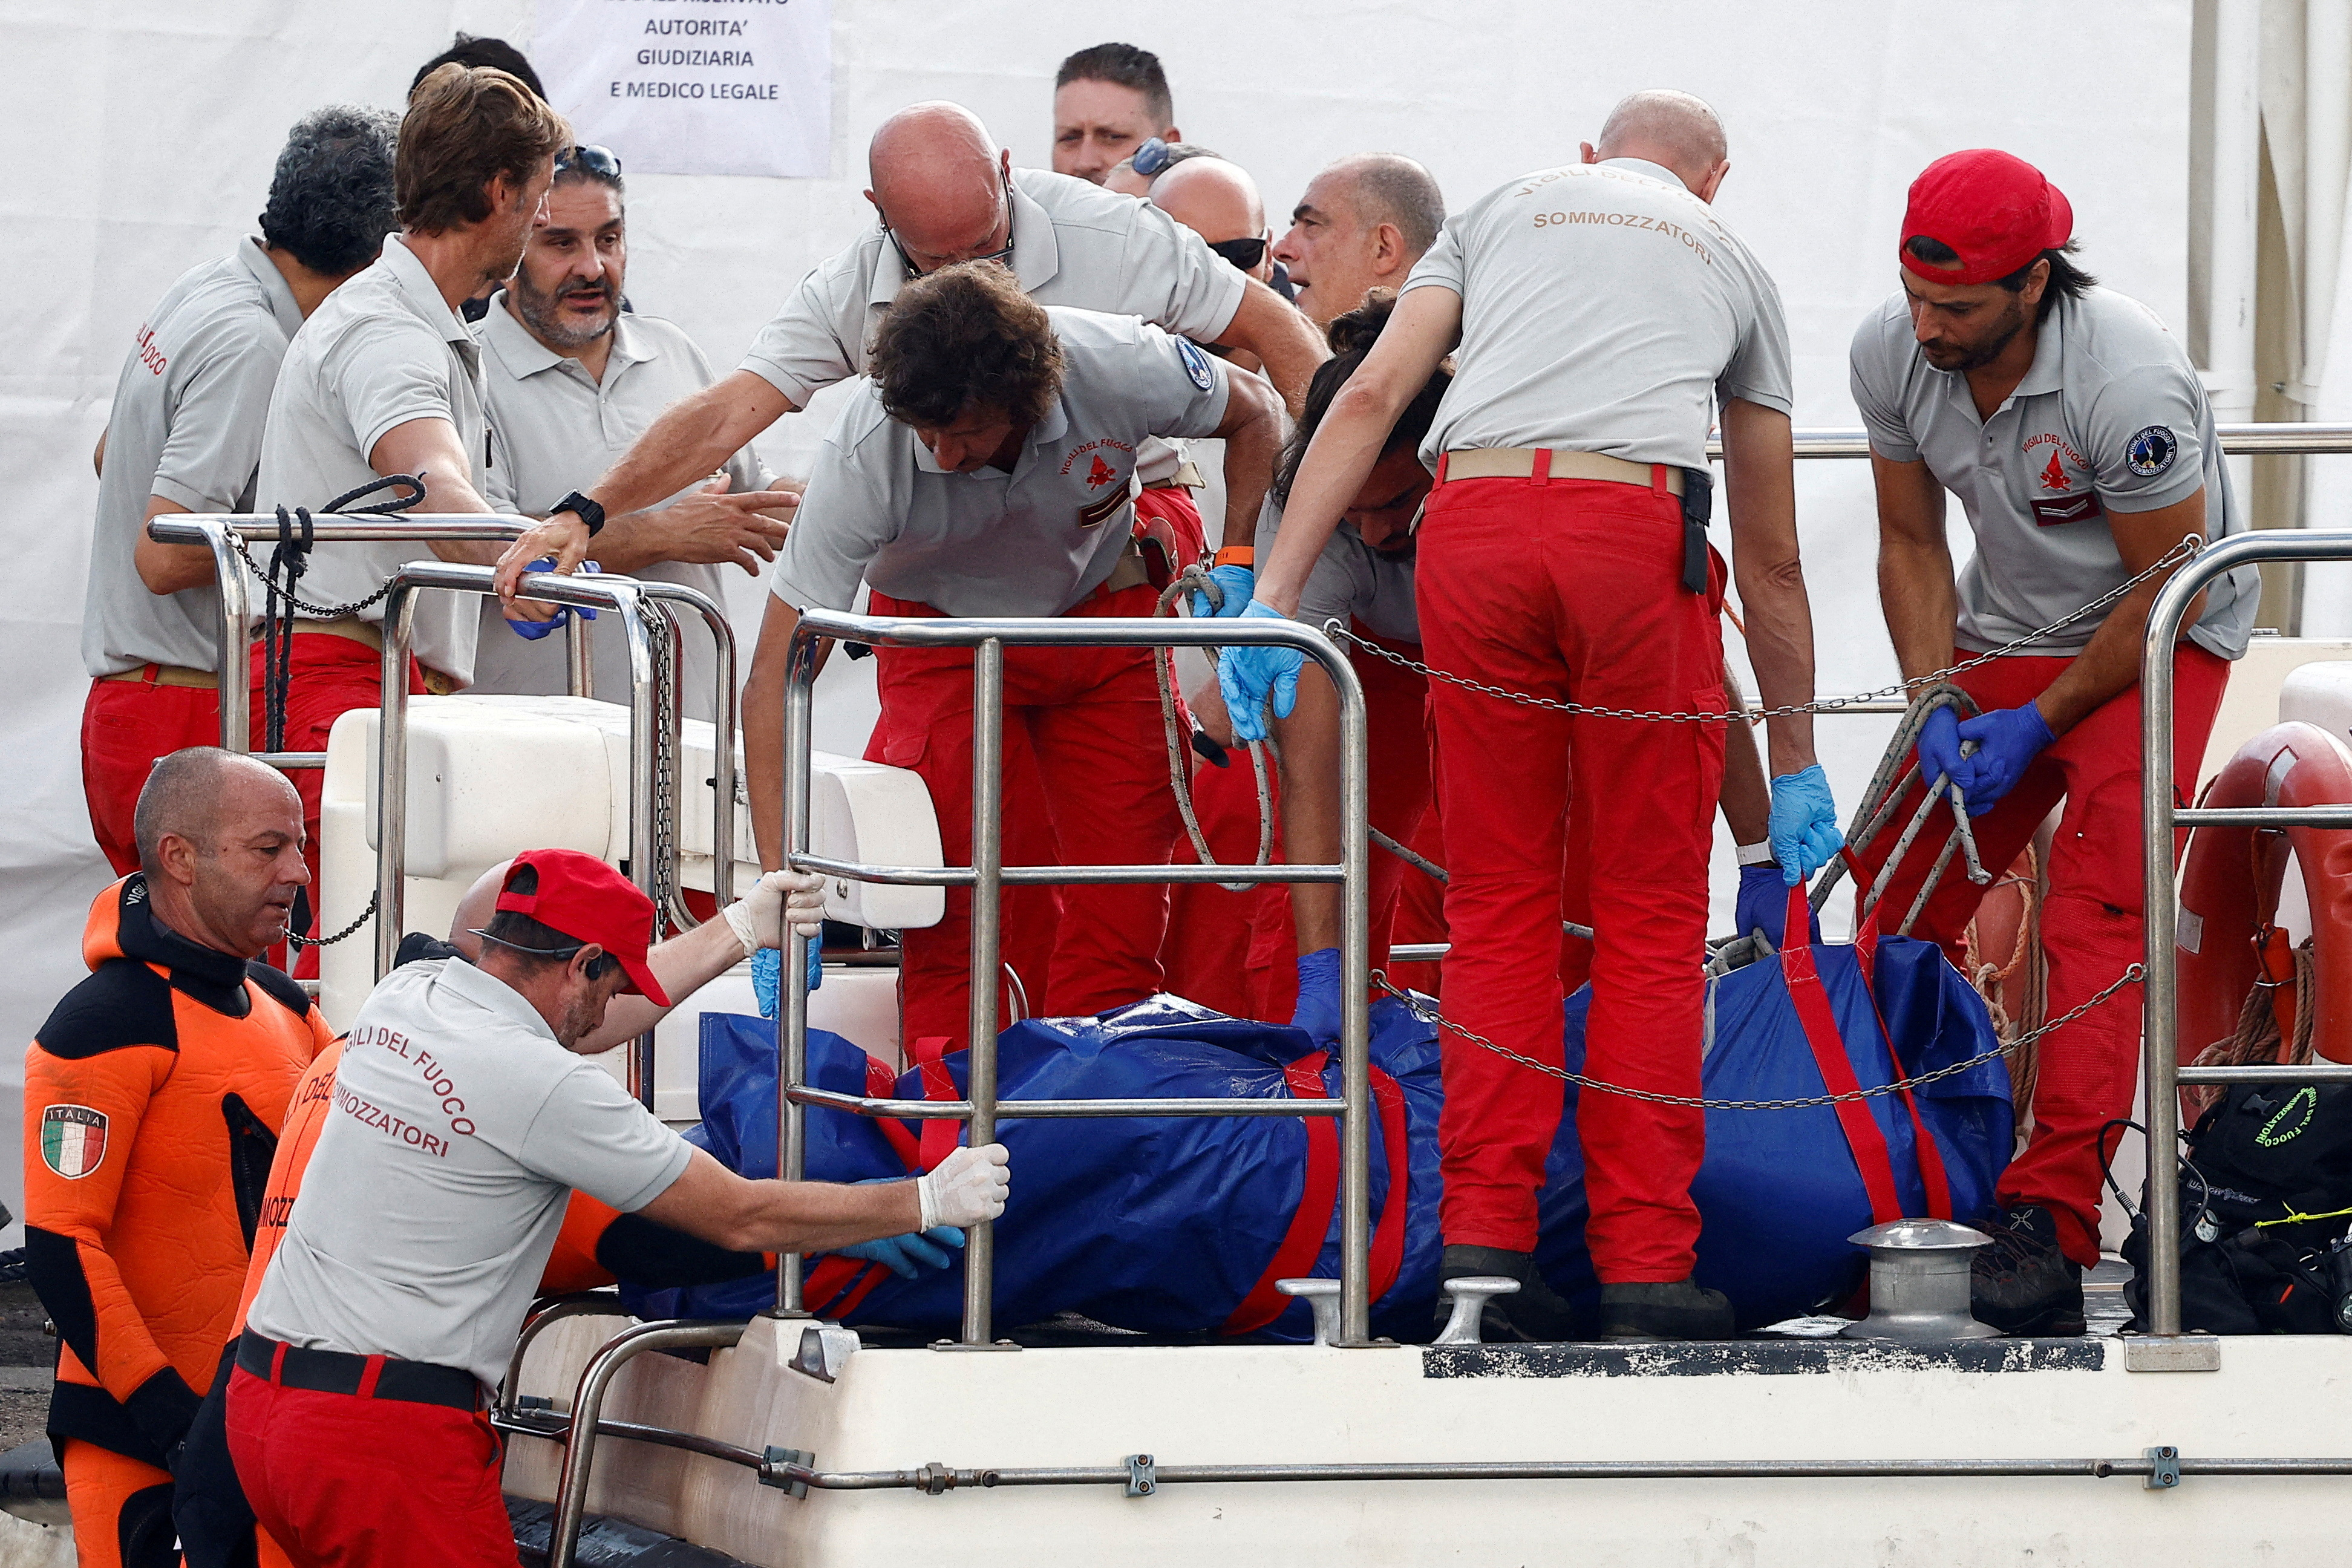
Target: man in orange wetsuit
153, 1098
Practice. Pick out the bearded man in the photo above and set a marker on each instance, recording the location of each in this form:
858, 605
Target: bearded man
574, 377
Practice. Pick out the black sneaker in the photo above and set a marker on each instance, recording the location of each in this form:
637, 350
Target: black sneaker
1683, 1310
1534, 1312
2022, 1284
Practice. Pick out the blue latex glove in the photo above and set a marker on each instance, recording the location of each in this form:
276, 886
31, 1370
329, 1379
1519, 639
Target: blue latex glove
909, 1255
2007, 739
1236, 582
768, 978
1248, 676
1939, 751
1763, 905
532, 631
1319, 997
1804, 830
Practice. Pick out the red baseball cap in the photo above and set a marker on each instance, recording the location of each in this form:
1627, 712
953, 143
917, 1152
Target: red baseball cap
587, 901
1994, 210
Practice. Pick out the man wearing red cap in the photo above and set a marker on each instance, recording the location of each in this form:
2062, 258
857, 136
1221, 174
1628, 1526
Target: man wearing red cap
463, 1117
2073, 430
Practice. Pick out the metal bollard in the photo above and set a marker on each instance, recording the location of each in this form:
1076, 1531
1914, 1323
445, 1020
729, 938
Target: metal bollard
1470, 1295
1919, 1282
1323, 1297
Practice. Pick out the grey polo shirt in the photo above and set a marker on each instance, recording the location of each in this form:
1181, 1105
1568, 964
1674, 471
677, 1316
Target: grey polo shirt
557, 428
1030, 542
438, 1182
2110, 420
384, 348
1350, 581
1603, 310
1072, 244
186, 425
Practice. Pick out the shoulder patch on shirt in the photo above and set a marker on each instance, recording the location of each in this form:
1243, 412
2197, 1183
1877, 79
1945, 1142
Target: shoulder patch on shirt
2151, 451
73, 1140
1196, 364
1091, 515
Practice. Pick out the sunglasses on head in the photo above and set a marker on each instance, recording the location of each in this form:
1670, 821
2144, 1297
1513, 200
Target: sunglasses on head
1151, 157
1243, 253
598, 161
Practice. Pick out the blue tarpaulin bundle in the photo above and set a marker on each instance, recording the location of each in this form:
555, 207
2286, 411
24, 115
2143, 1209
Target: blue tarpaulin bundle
1178, 1225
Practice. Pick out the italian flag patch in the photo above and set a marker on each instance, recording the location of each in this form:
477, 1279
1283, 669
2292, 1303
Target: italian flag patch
73, 1140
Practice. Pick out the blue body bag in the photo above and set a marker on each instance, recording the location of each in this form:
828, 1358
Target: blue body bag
1171, 1225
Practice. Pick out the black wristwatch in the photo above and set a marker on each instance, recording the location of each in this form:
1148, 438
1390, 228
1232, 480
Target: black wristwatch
587, 510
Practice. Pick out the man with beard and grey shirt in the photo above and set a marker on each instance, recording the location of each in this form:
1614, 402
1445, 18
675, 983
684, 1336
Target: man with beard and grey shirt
573, 381
185, 434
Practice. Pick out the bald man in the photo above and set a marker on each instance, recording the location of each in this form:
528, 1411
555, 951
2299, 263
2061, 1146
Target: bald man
1219, 202
153, 1098
1563, 553
1364, 224
945, 193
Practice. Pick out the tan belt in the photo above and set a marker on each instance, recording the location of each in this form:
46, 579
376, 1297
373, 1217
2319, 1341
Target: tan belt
1187, 476
168, 675
370, 635
1130, 571
1524, 463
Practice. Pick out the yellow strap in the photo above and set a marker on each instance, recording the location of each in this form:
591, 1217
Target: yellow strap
2293, 1218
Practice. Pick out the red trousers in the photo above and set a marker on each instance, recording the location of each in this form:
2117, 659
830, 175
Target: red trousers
1096, 792
330, 675
1237, 952
1573, 590
126, 726
2092, 928
343, 1481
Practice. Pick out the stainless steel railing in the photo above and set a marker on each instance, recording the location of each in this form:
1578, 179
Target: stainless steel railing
2160, 1028
637, 607
982, 1107
217, 533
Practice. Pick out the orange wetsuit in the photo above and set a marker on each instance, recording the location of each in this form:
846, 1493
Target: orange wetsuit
153, 1098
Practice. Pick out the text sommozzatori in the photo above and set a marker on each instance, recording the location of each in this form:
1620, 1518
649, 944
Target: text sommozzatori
436, 1080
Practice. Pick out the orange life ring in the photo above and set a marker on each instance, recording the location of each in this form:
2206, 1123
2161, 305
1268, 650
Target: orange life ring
2230, 889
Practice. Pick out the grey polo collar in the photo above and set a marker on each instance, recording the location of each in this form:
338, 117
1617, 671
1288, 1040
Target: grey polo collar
274, 286
524, 356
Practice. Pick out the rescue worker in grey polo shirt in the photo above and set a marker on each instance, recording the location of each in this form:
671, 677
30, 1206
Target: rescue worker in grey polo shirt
573, 379
186, 437
944, 193
2076, 434
1560, 556
463, 1117
990, 472
385, 379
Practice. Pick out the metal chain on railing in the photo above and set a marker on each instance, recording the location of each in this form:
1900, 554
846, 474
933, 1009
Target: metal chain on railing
314, 612
2183, 551
295, 940
664, 638
2130, 976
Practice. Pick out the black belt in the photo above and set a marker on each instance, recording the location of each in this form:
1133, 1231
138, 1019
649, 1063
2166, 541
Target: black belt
366, 1376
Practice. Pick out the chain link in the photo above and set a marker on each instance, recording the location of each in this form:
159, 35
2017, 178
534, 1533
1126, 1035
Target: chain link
295, 940
1430, 1016
2188, 546
664, 638
316, 612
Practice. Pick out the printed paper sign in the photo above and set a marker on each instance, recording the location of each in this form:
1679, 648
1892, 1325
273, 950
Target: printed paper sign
694, 87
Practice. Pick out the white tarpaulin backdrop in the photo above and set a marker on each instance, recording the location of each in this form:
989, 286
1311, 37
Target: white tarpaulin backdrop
141, 134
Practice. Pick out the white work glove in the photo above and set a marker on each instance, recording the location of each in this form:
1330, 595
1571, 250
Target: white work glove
966, 1188
782, 898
